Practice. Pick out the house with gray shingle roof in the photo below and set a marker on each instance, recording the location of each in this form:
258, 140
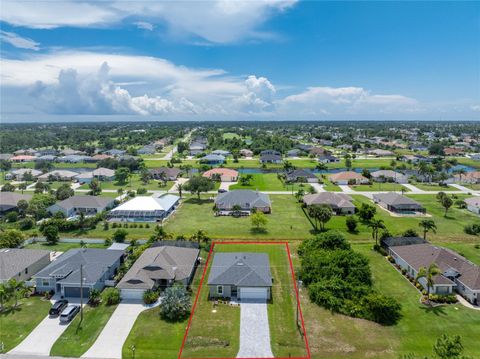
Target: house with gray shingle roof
247, 200
9, 200
397, 203
340, 203
159, 267
63, 275
20, 264
389, 176
89, 205
241, 275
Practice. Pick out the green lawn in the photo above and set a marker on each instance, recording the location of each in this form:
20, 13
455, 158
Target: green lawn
217, 334
61, 247
286, 221
433, 187
470, 250
76, 339
16, 324
376, 186
336, 336
329, 186
103, 194
270, 182
475, 187
230, 135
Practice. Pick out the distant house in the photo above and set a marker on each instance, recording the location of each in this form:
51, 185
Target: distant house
453, 151
475, 156
115, 153
167, 173
20, 264
270, 158
19, 174
221, 153
98, 158
88, 205
397, 203
301, 175
457, 273
240, 275
28, 152
211, 159
340, 203
22, 158
381, 153
246, 153
73, 158
469, 177
159, 267
270, 152
328, 159
9, 200
58, 175
246, 200
145, 209
294, 153
389, 176
473, 204
319, 151
196, 148
70, 152
225, 174
415, 158
5, 156
48, 152
304, 147
147, 150
62, 276
348, 177
101, 174
46, 158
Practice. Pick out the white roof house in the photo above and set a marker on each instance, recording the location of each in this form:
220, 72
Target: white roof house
146, 209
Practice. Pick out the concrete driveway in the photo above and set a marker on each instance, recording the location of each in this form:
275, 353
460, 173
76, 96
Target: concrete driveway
254, 330
40, 341
110, 342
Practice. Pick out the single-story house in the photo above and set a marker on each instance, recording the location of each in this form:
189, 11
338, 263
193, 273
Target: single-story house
115, 152
294, 153
469, 177
381, 153
328, 159
9, 200
73, 158
246, 152
319, 151
19, 173
46, 158
71, 152
147, 150
301, 175
22, 158
89, 205
348, 177
457, 273
304, 147
5, 156
475, 156
63, 274
98, 158
340, 203
397, 203
247, 200
241, 275
159, 267
48, 152
145, 209
58, 175
225, 174
196, 148
101, 174
270, 158
20, 264
389, 176
28, 151
211, 159
169, 174
453, 151
473, 204
221, 153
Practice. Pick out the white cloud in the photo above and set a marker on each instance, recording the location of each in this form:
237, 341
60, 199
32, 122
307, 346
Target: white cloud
258, 96
18, 41
216, 21
144, 25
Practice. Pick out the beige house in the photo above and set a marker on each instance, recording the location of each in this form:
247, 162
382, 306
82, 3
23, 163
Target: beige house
348, 177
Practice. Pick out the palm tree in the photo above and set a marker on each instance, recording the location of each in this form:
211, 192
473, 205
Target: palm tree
428, 225
428, 274
180, 189
16, 287
460, 172
376, 224
4, 295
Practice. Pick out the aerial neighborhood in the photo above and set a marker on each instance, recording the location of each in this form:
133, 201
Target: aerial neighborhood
149, 236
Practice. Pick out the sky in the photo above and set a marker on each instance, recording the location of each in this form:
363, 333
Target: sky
239, 60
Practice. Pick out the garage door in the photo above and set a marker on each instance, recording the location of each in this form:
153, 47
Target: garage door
253, 293
74, 292
131, 294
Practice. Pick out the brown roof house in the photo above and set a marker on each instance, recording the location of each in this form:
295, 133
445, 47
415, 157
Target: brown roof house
159, 267
340, 203
348, 177
457, 273
165, 173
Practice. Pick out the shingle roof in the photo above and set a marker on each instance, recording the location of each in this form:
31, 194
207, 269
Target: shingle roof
85, 202
242, 197
12, 198
95, 263
395, 199
338, 200
165, 262
422, 255
299, 173
241, 269
346, 175
15, 260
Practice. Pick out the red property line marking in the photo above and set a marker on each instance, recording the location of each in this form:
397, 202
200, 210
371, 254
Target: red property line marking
294, 284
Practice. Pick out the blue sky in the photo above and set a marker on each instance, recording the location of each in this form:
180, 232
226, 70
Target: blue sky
208, 60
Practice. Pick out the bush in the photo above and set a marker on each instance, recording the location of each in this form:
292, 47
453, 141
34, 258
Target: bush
351, 223
11, 216
381, 309
111, 296
378, 248
11, 238
119, 235
176, 304
150, 296
26, 223
472, 229
410, 233
141, 190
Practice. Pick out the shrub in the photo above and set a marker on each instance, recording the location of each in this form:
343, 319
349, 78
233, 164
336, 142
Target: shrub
26, 223
119, 235
105, 226
176, 304
11, 216
351, 223
472, 229
410, 233
378, 248
147, 225
11, 238
150, 296
141, 190
381, 309
114, 225
111, 296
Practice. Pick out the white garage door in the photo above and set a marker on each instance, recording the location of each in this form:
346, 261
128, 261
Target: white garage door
253, 293
131, 294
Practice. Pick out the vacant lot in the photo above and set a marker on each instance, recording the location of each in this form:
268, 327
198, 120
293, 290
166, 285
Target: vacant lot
134, 184
270, 182
433, 187
376, 186
217, 334
287, 221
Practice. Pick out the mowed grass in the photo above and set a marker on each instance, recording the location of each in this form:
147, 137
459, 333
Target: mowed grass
287, 220
434, 187
16, 324
376, 186
270, 182
133, 184
76, 339
473, 186
329, 186
210, 335
61, 247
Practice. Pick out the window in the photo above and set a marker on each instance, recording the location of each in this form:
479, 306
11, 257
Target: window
45, 282
220, 289
26, 270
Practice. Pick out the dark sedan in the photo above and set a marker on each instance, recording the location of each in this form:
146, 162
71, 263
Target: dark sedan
58, 307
